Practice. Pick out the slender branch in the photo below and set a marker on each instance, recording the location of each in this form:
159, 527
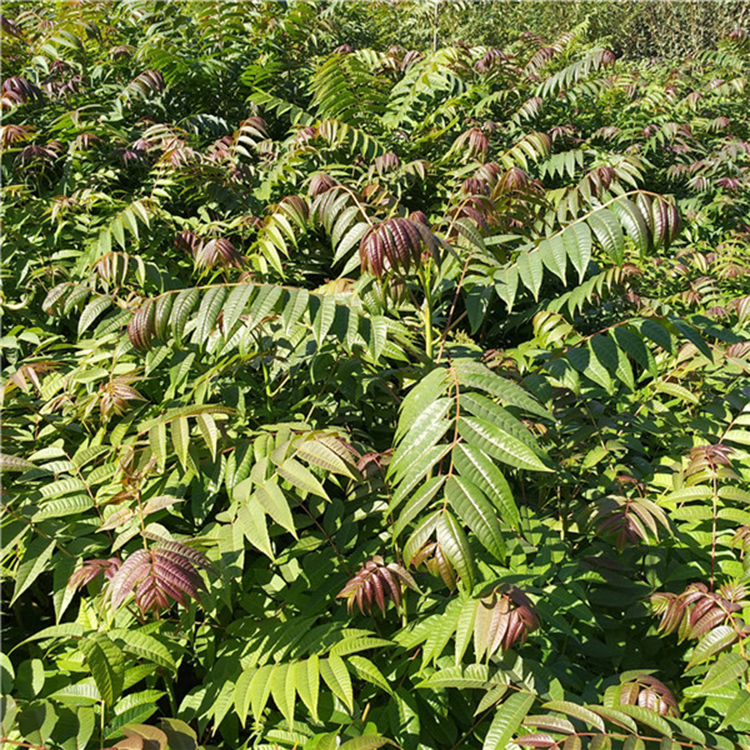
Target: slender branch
452, 310
36, 530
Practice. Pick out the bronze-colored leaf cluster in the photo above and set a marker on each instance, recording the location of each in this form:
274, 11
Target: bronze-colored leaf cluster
711, 461
39, 154
320, 183
697, 610
376, 582
92, 569
410, 58
475, 186
503, 618
649, 693
397, 60
157, 577
149, 81
295, 208
395, 245
29, 374
479, 209
474, 141
305, 135
217, 251
11, 134
115, 394
386, 162
436, 562
141, 326
664, 219
629, 520
129, 156
419, 217
17, 90
188, 242
497, 198
494, 59
642, 691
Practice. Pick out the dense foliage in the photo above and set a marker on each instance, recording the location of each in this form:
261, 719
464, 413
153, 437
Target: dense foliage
631, 28
370, 396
